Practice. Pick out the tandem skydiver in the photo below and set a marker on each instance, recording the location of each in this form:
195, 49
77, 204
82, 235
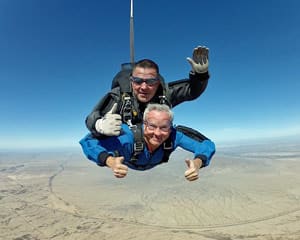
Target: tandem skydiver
159, 137
141, 85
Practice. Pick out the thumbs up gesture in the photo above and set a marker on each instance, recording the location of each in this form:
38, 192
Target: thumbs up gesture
192, 173
110, 124
116, 164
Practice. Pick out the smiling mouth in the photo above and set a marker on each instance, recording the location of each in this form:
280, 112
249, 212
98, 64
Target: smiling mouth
145, 95
156, 139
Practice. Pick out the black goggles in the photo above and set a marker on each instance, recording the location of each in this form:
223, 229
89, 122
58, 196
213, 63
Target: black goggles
148, 81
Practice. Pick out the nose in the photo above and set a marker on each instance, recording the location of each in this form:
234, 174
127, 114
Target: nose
157, 131
144, 85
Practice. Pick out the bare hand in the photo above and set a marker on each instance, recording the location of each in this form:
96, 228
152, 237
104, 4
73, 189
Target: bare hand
192, 173
116, 164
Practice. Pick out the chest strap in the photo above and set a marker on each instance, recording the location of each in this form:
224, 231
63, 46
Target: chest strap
139, 144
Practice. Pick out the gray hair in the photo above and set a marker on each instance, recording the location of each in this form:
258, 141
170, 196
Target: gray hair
160, 108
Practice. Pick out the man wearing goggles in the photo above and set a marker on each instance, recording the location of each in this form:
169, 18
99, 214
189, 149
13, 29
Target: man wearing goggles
147, 86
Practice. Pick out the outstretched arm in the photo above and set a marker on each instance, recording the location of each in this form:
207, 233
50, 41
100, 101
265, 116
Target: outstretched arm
94, 151
203, 150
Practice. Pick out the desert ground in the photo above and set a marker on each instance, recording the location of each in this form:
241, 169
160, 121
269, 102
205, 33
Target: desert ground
248, 192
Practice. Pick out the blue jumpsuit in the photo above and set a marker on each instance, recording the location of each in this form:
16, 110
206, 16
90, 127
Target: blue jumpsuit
98, 150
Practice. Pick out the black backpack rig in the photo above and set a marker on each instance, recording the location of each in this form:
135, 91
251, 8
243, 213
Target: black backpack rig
129, 112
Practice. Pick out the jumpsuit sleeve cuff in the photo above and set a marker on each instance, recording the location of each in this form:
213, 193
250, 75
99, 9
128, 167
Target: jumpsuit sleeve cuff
102, 159
204, 160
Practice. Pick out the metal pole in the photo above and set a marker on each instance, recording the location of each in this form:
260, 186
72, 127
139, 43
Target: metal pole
131, 34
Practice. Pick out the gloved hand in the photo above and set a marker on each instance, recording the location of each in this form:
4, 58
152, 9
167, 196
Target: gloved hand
199, 62
110, 124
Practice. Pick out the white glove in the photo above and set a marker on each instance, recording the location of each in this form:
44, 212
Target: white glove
110, 124
199, 62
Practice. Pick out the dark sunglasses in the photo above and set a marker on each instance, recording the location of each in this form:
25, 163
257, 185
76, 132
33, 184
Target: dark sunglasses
148, 81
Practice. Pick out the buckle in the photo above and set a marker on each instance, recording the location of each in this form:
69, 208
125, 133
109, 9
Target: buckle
169, 147
131, 126
162, 99
138, 146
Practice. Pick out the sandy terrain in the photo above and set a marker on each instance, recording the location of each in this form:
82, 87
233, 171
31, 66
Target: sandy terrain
249, 192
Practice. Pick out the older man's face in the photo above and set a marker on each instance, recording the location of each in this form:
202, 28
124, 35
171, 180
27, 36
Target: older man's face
144, 91
157, 129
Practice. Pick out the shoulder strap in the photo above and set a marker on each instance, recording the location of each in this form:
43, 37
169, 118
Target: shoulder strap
138, 145
168, 149
164, 97
127, 110
121, 80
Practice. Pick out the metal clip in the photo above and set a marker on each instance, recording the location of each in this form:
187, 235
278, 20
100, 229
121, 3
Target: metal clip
138, 147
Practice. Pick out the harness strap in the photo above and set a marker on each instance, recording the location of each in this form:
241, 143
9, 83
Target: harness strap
168, 149
140, 167
138, 145
126, 107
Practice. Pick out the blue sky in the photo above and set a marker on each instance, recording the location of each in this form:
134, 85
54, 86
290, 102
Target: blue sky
58, 57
